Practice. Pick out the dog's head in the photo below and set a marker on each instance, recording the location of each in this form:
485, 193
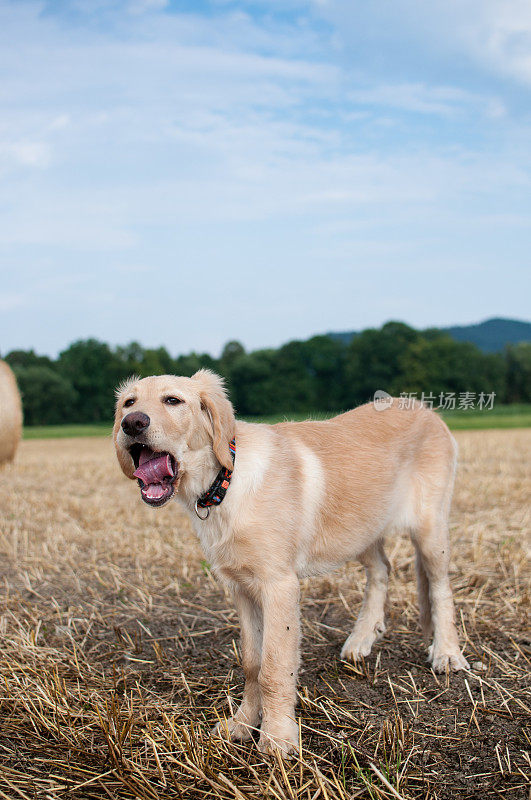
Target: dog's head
168, 427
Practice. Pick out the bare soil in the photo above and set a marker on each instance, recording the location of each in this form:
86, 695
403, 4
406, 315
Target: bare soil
119, 652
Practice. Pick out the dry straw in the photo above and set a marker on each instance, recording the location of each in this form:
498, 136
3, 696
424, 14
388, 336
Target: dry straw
119, 652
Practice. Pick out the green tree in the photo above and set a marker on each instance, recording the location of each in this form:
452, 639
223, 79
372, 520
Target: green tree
130, 356
518, 365
253, 385
94, 371
187, 365
28, 358
373, 361
156, 362
292, 381
47, 397
440, 364
232, 351
325, 361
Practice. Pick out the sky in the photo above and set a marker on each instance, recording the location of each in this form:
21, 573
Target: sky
187, 173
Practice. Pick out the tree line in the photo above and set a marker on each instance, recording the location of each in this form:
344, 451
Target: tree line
318, 374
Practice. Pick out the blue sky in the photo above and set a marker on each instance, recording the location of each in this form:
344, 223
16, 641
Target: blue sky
187, 173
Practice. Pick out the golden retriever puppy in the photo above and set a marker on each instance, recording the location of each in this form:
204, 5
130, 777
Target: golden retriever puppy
299, 499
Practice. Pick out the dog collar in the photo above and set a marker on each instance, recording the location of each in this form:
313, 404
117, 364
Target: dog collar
217, 490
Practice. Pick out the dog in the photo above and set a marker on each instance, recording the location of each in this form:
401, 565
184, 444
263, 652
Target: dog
274, 503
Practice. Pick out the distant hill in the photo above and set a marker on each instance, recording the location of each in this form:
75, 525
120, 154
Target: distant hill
491, 336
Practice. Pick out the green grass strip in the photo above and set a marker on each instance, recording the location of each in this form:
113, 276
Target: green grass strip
515, 416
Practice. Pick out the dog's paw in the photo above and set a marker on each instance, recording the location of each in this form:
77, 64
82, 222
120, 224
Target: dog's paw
442, 660
282, 739
359, 644
233, 730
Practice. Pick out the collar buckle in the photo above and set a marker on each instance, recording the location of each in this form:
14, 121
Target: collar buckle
207, 509
217, 491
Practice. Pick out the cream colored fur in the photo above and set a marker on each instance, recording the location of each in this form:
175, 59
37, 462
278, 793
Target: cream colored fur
10, 414
304, 498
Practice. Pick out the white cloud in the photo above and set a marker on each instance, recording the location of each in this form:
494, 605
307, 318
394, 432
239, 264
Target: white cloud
445, 101
143, 6
495, 35
10, 301
60, 122
24, 154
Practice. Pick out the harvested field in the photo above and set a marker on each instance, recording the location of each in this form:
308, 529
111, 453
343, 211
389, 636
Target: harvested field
119, 651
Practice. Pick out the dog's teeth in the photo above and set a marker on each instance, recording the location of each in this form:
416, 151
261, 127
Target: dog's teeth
154, 491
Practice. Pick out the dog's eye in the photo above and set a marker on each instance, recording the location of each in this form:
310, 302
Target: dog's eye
129, 402
172, 401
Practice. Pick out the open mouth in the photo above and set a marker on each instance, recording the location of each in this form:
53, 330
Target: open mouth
156, 474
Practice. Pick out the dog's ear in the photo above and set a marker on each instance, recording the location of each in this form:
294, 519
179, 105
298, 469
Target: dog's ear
215, 402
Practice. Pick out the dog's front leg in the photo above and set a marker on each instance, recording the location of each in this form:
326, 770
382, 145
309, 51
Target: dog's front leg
247, 717
280, 661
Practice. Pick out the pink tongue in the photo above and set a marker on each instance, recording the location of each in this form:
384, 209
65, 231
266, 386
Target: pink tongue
146, 454
154, 470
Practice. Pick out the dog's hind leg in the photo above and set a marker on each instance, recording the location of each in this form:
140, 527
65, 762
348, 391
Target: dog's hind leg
423, 589
247, 718
370, 624
433, 549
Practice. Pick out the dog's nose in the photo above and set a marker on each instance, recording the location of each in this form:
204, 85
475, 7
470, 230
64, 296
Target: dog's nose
135, 423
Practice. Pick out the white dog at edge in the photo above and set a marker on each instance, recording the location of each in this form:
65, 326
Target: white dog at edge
300, 498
